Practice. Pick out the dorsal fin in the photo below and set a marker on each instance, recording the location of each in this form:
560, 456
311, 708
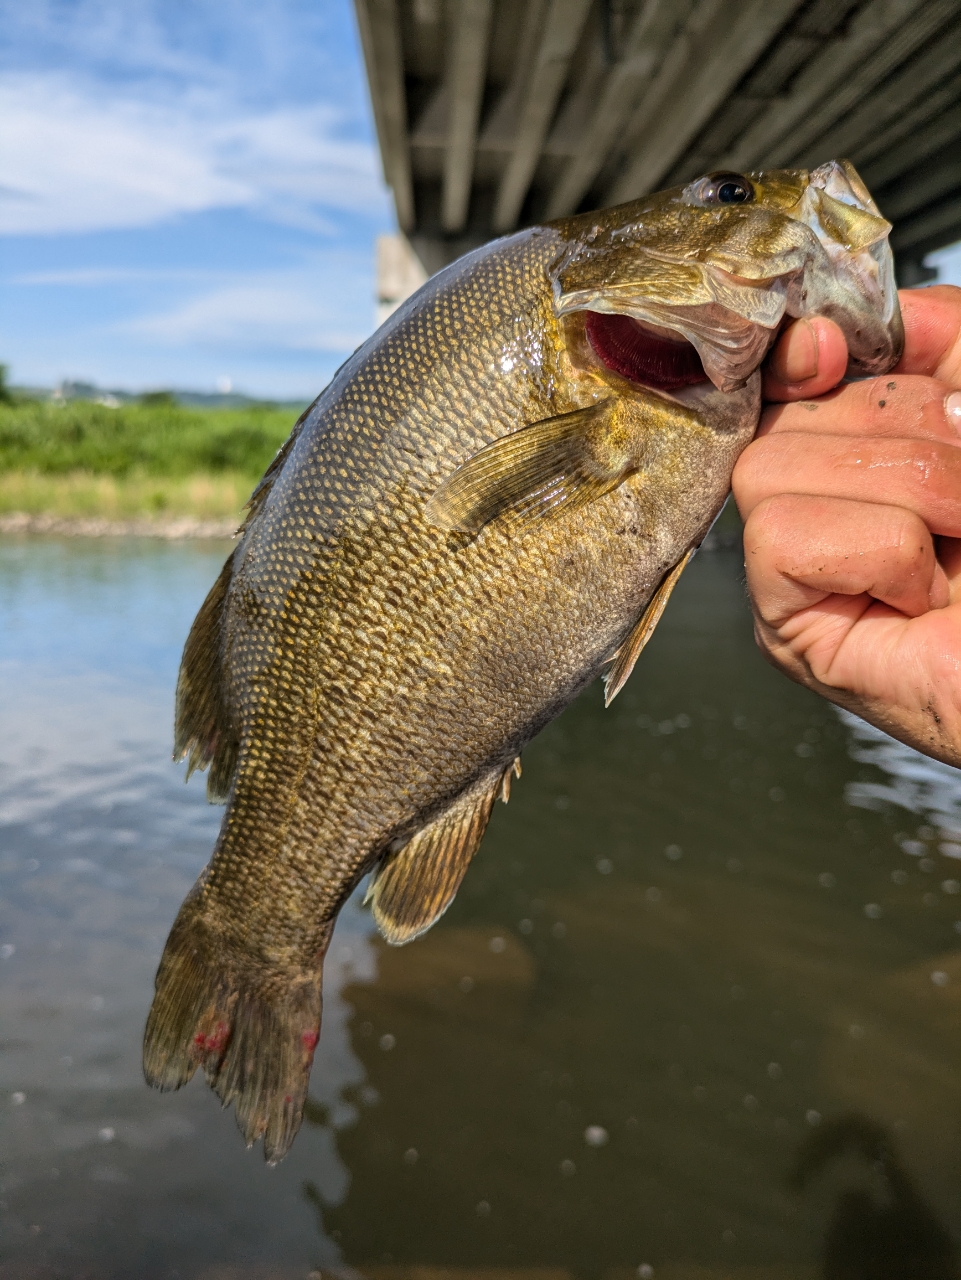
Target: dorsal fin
630, 650
203, 731
413, 887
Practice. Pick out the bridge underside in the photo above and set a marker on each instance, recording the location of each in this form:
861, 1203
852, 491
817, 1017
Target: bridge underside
493, 114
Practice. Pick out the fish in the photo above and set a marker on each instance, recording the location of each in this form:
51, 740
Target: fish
486, 509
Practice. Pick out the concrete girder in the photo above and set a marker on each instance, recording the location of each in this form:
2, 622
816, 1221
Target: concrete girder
820, 78
651, 33
912, 84
863, 80
562, 29
383, 56
465, 87
717, 55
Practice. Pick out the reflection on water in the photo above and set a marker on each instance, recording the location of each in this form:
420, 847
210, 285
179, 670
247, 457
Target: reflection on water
881, 1228
710, 942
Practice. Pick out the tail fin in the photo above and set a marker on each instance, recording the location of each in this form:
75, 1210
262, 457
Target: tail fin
253, 1031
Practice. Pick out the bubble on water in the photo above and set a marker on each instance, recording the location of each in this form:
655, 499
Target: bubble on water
562, 802
926, 833
604, 866
750, 1102
369, 1096
873, 911
97, 1003
939, 978
497, 945
568, 1168
387, 1042
18, 1098
775, 1070
466, 983
804, 750
683, 721
411, 1156
914, 848
899, 877
595, 1135
652, 894
107, 1134
559, 930
929, 899
813, 1118
926, 864
666, 726
856, 1031
7, 950
950, 849
827, 880
776, 794
645, 1271
483, 1209
951, 886
674, 852
728, 1236
526, 926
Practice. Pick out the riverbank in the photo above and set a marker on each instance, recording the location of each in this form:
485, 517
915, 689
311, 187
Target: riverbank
170, 528
155, 468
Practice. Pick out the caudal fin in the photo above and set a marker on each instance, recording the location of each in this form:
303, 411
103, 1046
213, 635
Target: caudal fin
252, 1030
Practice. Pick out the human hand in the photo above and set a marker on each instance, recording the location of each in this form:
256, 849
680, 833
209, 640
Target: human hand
851, 499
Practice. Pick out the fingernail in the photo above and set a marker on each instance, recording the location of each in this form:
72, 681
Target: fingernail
796, 357
952, 411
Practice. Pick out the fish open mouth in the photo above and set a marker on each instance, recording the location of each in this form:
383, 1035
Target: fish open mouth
648, 354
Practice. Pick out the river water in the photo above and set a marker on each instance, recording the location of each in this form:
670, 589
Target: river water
696, 1012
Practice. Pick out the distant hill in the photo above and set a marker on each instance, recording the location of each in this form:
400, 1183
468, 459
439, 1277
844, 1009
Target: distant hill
114, 396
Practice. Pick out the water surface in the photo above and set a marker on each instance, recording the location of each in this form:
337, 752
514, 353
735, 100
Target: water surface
696, 1012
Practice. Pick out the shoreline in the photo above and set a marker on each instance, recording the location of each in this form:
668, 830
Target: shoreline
170, 528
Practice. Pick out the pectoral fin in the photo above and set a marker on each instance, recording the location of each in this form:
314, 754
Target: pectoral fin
539, 471
630, 650
413, 887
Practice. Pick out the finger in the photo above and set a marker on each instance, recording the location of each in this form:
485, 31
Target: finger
886, 406
923, 476
809, 358
932, 332
800, 550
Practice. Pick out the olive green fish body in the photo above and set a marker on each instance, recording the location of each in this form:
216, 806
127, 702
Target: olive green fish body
479, 513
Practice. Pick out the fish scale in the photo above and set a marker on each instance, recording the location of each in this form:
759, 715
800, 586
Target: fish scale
465, 527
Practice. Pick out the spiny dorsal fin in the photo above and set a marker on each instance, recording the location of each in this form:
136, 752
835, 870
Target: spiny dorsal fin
203, 731
630, 650
413, 887
539, 471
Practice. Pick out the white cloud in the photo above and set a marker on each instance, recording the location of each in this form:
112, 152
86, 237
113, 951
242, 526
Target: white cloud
83, 156
264, 311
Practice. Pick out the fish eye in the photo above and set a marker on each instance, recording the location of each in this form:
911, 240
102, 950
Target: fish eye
724, 188
727, 188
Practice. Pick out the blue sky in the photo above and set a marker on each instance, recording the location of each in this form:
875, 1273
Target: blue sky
190, 193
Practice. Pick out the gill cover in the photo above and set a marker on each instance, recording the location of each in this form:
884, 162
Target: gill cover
724, 276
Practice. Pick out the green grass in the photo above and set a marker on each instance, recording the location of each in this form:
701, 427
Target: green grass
155, 458
154, 439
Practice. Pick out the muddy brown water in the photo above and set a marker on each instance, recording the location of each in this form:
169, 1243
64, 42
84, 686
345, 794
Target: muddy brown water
695, 1014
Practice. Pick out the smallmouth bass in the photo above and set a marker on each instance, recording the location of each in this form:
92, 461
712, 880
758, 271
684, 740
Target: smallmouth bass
487, 508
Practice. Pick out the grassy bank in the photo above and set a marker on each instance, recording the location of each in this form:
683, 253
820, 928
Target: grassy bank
148, 459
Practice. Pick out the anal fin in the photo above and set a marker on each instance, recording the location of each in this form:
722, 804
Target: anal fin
203, 731
630, 650
414, 886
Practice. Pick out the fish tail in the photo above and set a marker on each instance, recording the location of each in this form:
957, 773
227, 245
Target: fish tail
253, 1030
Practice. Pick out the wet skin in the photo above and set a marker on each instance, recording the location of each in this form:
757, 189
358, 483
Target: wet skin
851, 496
